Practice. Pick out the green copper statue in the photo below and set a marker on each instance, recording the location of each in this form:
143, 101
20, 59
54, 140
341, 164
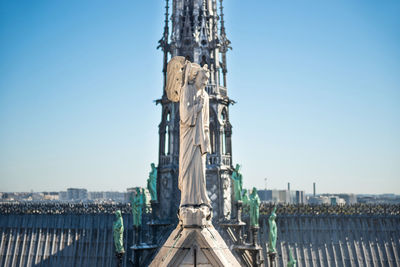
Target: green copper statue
118, 232
137, 207
152, 182
254, 207
272, 231
246, 201
237, 183
292, 261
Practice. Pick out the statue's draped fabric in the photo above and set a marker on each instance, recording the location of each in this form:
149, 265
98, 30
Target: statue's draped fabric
118, 232
152, 182
273, 231
194, 145
254, 208
238, 183
137, 208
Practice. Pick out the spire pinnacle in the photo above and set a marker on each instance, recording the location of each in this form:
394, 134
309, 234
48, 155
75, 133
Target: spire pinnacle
225, 43
163, 43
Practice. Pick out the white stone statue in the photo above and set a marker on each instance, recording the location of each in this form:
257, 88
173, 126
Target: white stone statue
186, 83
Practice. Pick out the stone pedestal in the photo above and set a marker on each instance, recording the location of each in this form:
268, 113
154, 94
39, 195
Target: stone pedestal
195, 216
137, 236
254, 234
255, 253
239, 205
194, 242
272, 256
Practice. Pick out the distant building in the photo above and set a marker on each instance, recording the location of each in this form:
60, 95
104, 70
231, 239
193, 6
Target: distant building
326, 200
300, 197
319, 200
62, 196
51, 196
77, 194
96, 195
336, 200
349, 198
282, 196
107, 196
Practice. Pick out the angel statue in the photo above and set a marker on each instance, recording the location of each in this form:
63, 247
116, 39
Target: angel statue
186, 83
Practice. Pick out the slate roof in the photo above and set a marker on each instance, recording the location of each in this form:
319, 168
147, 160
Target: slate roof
82, 236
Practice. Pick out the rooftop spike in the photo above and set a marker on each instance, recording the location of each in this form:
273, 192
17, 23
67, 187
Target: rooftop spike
163, 43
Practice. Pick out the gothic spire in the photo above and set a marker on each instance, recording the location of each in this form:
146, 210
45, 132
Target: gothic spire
163, 43
224, 43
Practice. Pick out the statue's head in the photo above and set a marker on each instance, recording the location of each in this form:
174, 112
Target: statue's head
254, 191
197, 75
181, 72
237, 168
244, 193
273, 214
118, 214
152, 165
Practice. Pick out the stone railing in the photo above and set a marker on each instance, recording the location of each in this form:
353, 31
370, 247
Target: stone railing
226, 160
213, 89
354, 209
222, 90
165, 160
266, 209
63, 208
216, 160
168, 159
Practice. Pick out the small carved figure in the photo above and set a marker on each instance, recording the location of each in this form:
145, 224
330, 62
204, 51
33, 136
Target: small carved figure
152, 182
292, 261
137, 208
254, 207
118, 232
237, 183
273, 231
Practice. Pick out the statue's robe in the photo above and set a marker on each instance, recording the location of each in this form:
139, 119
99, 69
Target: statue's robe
238, 185
194, 146
118, 231
254, 209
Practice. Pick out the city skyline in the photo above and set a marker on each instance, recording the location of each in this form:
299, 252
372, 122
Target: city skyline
316, 87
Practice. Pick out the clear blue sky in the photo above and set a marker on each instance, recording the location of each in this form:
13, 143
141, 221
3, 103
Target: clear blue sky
317, 85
